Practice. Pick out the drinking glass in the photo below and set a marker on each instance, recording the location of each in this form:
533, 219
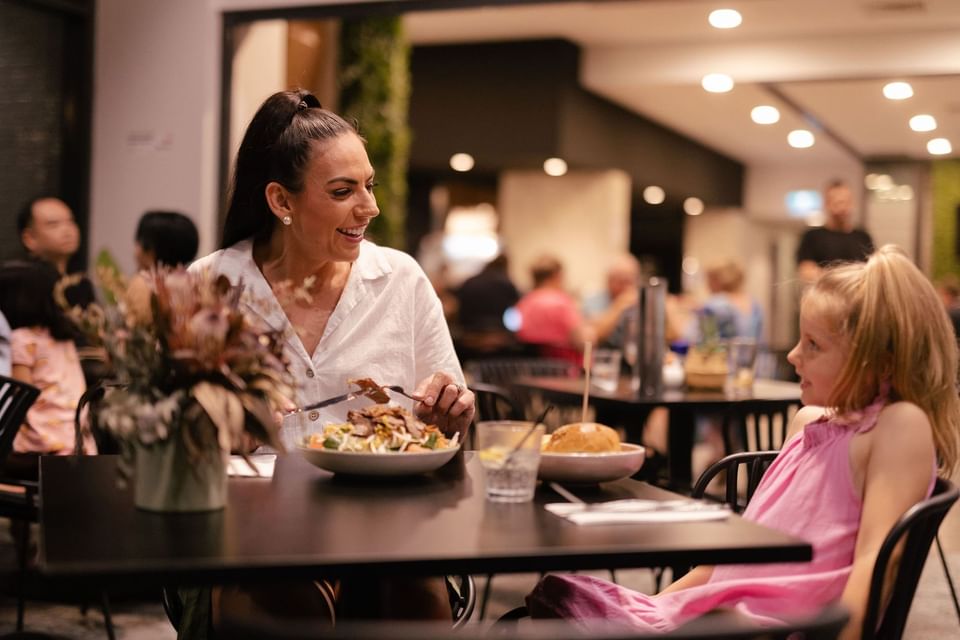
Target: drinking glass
605, 372
741, 356
510, 472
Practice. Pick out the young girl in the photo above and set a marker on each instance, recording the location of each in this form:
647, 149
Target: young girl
43, 355
877, 348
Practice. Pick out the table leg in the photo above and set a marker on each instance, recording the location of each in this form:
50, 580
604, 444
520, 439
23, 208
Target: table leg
680, 440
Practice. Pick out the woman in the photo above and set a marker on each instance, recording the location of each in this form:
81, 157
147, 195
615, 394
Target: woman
301, 202
302, 199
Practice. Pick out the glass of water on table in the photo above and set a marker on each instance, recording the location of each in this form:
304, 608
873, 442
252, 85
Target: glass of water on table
510, 472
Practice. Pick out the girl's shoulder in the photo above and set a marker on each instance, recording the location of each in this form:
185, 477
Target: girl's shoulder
803, 417
903, 425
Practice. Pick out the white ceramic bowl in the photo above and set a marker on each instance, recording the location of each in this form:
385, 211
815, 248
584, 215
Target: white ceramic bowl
379, 464
590, 468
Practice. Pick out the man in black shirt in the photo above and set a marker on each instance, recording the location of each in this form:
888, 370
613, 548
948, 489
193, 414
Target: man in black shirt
837, 240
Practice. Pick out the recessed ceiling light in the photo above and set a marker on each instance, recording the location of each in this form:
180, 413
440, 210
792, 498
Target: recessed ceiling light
717, 82
725, 18
461, 162
923, 122
765, 114
693, 206
654, 195
800, 139
897, 90
554, 167
939, 147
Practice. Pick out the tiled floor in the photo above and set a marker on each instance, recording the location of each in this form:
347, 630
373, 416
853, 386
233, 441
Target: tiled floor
932, 616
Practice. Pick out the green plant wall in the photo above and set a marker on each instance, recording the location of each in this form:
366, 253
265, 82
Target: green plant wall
375, 91
945, 191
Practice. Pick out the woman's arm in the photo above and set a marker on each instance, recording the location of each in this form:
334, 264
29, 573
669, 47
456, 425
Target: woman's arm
896, 475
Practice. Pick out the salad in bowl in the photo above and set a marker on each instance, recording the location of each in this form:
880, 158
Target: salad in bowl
380, 440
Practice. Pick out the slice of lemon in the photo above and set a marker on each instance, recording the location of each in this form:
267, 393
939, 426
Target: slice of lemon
493, 456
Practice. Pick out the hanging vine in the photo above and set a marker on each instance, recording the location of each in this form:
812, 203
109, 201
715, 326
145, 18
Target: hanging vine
375, 91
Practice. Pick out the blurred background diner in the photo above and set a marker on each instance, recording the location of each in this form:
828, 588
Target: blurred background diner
523, 151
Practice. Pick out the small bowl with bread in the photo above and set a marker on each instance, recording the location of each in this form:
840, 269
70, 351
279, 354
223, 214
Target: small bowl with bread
588, 453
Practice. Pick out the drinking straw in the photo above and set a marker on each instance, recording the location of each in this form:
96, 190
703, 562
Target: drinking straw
587, 364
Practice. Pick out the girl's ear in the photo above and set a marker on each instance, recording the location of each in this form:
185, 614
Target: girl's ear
278, 199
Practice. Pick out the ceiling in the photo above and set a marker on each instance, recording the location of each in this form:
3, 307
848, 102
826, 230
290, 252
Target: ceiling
823, 63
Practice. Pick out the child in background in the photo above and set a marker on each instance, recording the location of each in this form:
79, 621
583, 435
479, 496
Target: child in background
165, 237
43, 354
877, 350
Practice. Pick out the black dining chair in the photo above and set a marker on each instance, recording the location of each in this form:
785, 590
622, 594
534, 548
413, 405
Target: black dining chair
756, 426
503, 372
494, 402
886, 619
18, 497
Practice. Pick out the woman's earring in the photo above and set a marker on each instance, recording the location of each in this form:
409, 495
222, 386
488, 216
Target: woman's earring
287, 220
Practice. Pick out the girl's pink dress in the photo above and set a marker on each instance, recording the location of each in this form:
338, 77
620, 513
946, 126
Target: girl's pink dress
56, 371
807, 492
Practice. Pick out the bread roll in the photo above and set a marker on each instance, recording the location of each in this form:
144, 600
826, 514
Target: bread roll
583, 437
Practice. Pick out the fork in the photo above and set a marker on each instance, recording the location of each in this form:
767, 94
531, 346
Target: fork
398, 389
325, 403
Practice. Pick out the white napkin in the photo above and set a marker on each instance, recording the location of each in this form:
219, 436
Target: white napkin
639, 511
238, 467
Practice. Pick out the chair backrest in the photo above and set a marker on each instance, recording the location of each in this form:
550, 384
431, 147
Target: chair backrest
16, 398
756, 426
754, 463
919, 526
502, 372
494, 402
462, 591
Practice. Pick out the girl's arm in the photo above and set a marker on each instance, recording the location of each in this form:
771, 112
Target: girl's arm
22, 373
896, 469
694, 578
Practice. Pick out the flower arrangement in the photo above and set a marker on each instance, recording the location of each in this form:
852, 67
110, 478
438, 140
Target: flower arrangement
188, 362
705, 366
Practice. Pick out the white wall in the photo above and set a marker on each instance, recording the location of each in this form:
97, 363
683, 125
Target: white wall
155, 126
583, 218
156, 114
766, 186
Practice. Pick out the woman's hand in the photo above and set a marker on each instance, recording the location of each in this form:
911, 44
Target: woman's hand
446, 403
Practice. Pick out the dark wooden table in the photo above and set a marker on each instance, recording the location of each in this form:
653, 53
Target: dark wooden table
630, 407
307, 522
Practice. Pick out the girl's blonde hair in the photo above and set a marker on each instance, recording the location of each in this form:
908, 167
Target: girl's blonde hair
900, 334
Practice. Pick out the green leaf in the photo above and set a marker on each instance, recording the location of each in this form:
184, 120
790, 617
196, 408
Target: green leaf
431, 442
330, 443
